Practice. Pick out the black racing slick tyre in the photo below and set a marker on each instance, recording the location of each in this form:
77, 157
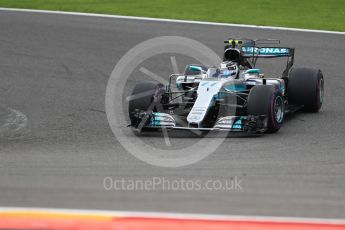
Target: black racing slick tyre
143, 99
306, 87
267, 100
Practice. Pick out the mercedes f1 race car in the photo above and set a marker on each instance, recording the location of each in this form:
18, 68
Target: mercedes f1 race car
234, 96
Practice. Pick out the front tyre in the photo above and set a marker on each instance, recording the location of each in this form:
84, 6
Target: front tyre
144, 98
267, 100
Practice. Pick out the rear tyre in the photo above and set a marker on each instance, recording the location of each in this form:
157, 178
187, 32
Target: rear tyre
143, 99
267, 100
306, 87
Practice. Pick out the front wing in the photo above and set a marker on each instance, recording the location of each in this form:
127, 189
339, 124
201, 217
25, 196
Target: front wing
249, 124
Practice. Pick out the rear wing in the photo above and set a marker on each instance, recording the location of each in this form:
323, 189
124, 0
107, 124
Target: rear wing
261, 48
266, 52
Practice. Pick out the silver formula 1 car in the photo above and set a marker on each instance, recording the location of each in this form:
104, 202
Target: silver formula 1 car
234, 96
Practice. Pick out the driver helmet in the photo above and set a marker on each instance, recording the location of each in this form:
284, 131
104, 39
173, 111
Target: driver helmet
229, 69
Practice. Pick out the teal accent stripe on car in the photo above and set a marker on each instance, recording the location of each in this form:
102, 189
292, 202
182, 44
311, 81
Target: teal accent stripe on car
235, 87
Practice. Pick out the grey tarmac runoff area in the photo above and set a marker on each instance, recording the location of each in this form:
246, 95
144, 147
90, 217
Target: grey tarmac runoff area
54, 71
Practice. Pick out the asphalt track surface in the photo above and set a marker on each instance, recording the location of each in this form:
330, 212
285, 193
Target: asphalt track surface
54, 70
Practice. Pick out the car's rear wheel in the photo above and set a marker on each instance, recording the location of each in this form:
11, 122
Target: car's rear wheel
306, 87
267, 100
143, 99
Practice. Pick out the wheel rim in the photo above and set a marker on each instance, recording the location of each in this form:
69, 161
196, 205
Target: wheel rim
279, 109
321, 90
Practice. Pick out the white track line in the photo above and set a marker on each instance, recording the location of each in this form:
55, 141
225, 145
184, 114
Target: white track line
176, 215
173, 20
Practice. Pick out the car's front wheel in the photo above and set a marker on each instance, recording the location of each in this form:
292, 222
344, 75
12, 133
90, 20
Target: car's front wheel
267, 100
144, 99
